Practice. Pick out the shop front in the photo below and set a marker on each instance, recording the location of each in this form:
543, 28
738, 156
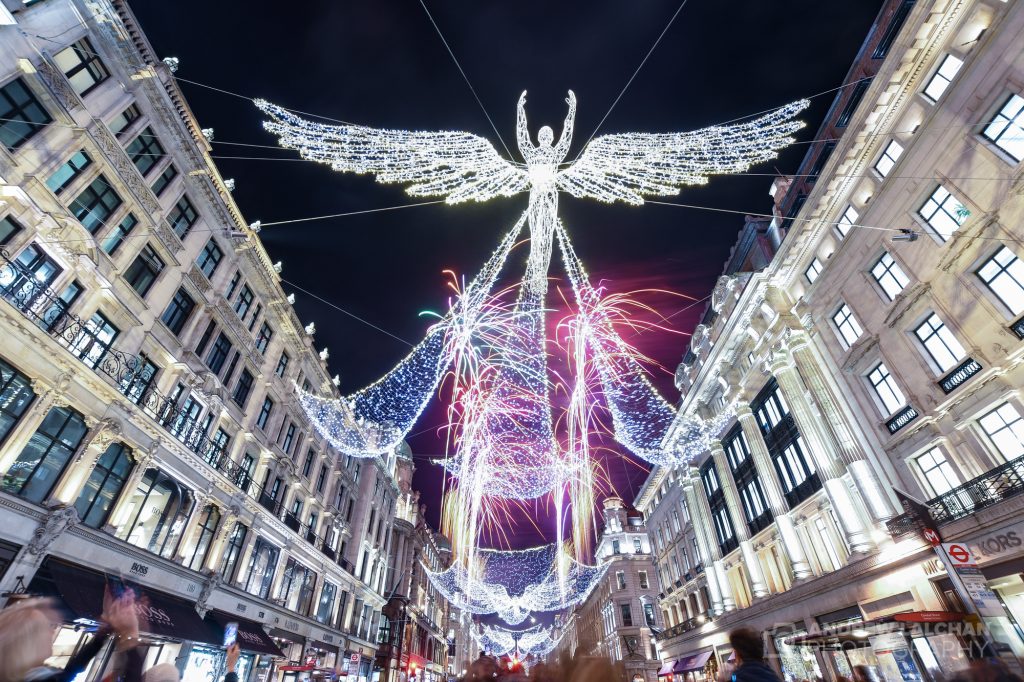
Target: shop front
168, 625
914, 646
293, 646
258, 649
698, 666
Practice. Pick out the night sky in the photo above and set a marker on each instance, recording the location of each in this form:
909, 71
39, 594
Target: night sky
382, 64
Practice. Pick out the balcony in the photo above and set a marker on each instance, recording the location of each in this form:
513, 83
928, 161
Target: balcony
956, 378
1018, 328
992, 487
292, 522
901, 419
684, 627
328, 551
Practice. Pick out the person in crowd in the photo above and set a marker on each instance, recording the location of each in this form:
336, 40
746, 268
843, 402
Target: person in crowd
861, 673
26, 641
750, 665
164, 672
483, 668
234, 652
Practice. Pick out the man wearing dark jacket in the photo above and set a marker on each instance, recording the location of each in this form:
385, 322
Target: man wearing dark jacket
748, 647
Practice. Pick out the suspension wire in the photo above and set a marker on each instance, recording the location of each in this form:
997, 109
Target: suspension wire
437, 28
346, 312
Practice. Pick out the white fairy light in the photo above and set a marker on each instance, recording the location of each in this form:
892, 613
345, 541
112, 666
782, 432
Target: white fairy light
535, 641
310, 328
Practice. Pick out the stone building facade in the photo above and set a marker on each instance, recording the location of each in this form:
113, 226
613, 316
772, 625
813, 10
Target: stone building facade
878, 349
149, 426
620, 616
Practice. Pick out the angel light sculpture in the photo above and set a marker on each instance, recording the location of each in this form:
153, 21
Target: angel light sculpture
460, 166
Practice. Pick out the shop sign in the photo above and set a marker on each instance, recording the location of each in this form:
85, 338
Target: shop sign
138, 569
326, 637
1000, 544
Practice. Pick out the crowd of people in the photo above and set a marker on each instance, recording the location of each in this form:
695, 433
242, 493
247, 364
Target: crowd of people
27, 631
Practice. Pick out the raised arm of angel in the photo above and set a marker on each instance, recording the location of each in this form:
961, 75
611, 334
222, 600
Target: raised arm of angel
526, 147
562, 148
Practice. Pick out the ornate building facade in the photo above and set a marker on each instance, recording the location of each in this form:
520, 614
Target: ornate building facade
878, 348
149, 430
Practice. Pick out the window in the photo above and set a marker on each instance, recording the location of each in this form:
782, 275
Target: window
243, 388
16, 395
1006, 130
233, 551
851, 105
893, 30
119, 233
943, 213
66, 174
266, 333
307, 465
940, 343
261, 568
847, 221
1003, 274
106, 479
649, 619
136, 382
95, 204
813, 270
282, 364
122, 121
164, 179
178, 311
182, 217
889, 275
321, 478
145, 150
289, 438
218, 353
37, 468
616, 547
326, 605
141, 274
265, 411
8, 228
627, 615
889, 157
889, 394
620, 580
937, 471
255, 315
82, 66
943, 76
243, 302
209, 258
642, 576
94, 340
753, 500
794, 466
232, 285
849, 329
723, 527
1005, 428
819, 163
198, 545
21, 114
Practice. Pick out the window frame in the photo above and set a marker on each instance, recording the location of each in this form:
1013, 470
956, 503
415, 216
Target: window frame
849, 321
936, 338
941, 212
175, 321
889, 270
1017, 119
15, 113
887, 155
1003, 269
886, 378
145, 270
938, 74
88, 61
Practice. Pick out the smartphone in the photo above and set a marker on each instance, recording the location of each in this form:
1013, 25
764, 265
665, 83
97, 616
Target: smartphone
230, 634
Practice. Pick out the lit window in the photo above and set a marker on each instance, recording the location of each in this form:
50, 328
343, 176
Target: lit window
1005, 427
890, 276
813, 270
144, 270
847, 221
942, 78
82, 66
21, 114
94, 340
1003, 274
889, 158
940, 343
889, 394
1006, 130
937, 471
67, 173
849, 329
943, 213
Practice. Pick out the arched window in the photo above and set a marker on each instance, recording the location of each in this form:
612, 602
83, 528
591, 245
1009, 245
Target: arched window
200, 542
261, 568
40, 464
157, 513
104, 485
233, 551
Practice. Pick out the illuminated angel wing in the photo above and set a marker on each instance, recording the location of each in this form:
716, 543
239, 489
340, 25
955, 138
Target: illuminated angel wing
458, 166
628, 166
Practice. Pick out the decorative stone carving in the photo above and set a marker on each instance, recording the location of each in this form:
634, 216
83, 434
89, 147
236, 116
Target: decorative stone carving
58, 520
723, 288
58, 84
210, 584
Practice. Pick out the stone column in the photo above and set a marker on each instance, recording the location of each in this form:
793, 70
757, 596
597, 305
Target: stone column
830, 470
118, 515
758, 587
46, 397
770, 482
76, 473
721, 591
864, 477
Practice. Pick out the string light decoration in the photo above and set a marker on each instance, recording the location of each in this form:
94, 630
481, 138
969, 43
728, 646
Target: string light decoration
512, 584
535, 641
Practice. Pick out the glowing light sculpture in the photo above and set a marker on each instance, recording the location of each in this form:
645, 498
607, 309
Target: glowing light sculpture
535, 641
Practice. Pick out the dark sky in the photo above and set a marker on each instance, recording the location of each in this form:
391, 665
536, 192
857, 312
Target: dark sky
381, 63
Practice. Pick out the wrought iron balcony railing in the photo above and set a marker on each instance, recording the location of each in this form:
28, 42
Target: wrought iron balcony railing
901, 418
1001, 483
956, 378
684, 627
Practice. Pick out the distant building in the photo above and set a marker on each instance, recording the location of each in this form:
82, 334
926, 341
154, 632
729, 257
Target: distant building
620, 616
879, 349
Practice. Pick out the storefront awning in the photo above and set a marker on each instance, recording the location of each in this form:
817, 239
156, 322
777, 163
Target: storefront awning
251, 635
324, 646
290, 636
666, 669
82, 590
852, 635
691, 662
